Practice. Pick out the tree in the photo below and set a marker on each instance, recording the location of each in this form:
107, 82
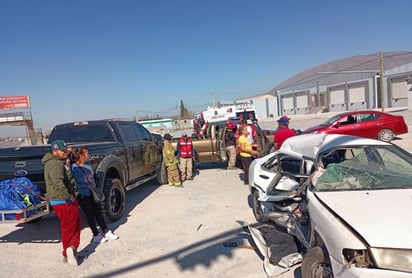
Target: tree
183, 111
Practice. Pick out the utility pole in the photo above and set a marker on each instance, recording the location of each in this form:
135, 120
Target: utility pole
381, 87
213, 98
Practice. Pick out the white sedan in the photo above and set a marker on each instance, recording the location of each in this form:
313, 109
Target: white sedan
346, 199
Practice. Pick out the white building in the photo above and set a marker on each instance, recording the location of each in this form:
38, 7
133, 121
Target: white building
352, 83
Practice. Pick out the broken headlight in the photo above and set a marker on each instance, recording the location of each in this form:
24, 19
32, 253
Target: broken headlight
394, 259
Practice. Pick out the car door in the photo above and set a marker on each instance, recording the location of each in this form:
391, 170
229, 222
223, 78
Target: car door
370, 126
262, 140
348, 125
206, 148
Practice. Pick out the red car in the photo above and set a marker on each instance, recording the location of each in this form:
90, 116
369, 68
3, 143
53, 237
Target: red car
368, 123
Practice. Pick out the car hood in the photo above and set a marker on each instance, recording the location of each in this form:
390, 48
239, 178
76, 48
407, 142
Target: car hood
313, 129
381, 217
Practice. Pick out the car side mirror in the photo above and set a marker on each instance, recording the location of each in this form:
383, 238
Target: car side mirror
337, 124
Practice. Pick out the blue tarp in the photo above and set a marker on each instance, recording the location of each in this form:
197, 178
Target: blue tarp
18, 193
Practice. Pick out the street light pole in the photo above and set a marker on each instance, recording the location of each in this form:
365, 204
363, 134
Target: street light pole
381, 87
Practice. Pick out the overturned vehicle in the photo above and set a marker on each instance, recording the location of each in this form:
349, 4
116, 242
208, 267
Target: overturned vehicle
342, 199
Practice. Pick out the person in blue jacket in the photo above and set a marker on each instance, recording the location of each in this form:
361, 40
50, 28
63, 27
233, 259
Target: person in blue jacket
84, 176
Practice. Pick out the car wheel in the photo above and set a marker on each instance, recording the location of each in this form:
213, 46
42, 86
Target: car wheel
316, 264
115, 202
385, 135
162, 174
257, 207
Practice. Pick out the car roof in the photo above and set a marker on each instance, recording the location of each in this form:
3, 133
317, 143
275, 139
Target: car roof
309, 145
361, 112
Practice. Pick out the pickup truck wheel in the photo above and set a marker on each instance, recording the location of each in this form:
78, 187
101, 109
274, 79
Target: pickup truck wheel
316, 264
162, 174
257, 207
114, 205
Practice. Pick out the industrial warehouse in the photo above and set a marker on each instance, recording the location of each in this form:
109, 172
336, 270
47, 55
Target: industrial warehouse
352, 83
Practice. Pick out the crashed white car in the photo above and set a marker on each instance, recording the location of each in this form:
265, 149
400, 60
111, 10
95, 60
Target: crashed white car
345, 199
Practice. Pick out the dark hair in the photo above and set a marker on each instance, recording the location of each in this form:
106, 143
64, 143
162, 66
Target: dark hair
75, 155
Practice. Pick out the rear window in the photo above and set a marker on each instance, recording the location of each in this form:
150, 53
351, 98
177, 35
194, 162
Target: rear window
81, 133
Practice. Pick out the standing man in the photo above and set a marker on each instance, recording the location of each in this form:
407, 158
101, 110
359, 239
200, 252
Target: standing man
186, 155
230, 145
61, 190
170, 161
283, 132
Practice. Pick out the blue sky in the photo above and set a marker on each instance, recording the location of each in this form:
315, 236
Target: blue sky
93, 59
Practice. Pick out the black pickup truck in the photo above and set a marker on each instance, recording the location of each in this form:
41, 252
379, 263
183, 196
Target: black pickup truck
124, 155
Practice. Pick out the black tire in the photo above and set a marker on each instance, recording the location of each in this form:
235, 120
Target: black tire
385, 135
316, 264
115, 202
257, 207
162, 174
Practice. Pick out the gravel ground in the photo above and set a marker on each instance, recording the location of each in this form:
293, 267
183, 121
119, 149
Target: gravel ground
166, 232
195, 231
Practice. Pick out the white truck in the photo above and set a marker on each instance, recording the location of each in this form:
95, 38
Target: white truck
223, 112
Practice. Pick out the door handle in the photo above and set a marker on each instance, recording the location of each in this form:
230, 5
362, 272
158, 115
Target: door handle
264, 177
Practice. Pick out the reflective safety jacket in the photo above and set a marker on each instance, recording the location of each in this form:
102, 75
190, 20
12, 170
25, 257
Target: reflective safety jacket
168, 152
185, 147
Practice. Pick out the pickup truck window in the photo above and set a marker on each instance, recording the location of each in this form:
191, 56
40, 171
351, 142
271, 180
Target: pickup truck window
85, 133
143, 133
128, 133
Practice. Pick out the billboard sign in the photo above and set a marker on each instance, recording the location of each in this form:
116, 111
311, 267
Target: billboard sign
14, 102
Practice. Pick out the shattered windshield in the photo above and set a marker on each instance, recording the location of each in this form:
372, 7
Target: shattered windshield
365, 168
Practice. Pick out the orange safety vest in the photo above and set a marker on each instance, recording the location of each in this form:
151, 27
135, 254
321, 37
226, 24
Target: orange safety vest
186, 147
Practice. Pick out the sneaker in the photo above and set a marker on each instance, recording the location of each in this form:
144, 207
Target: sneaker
171, 184
65, 260
178, 184
100, 238
110, 236
71, 256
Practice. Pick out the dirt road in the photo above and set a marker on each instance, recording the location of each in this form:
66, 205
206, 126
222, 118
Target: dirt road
195, 231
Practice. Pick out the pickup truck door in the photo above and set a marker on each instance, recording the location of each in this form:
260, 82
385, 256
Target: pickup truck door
262, 140
150, 154
220, 144
206, 148
133, 149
